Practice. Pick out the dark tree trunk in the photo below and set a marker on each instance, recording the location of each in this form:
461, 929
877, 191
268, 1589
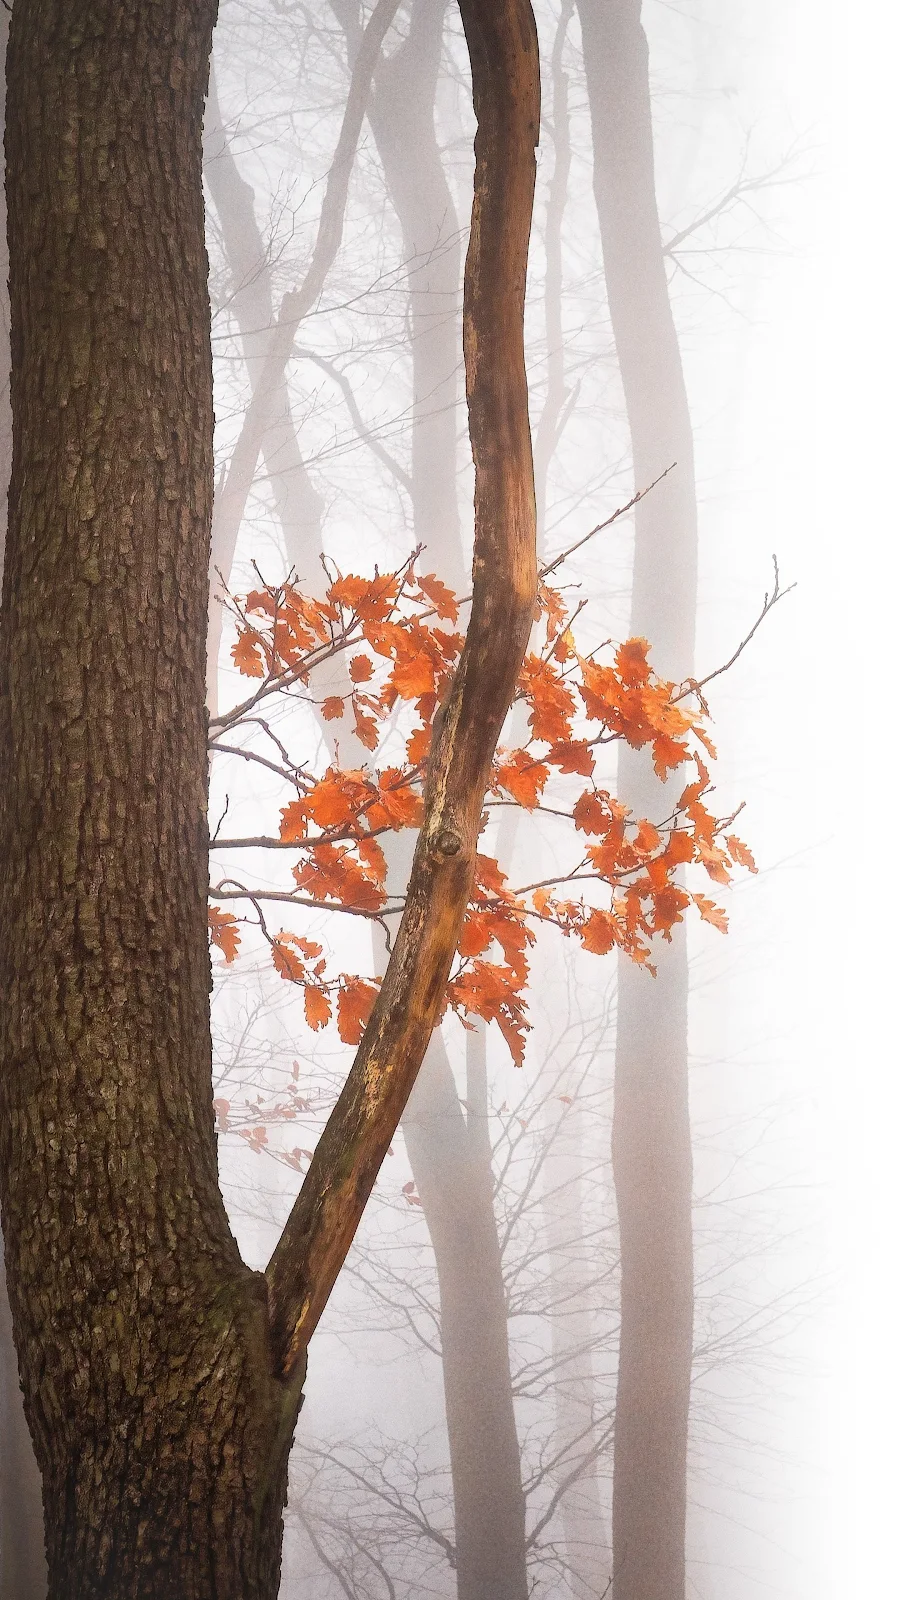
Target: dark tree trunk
23, 1567
162, 1377
160, 1433
651, 1127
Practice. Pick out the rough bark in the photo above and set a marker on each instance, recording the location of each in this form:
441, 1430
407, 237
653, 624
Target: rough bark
502, 44
23, 1566
651, 1126
159, 1430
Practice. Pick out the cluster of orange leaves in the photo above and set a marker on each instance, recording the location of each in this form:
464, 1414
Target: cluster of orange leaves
394, 636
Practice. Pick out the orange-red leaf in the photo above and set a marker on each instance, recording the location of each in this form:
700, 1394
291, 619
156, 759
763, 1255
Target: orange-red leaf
355, 1002
442, 598
710, 912
317, 1006
246, 653
361, 669
739, 853
223, 932
523, 777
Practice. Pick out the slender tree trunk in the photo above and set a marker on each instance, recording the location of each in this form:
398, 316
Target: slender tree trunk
298, 504
572, 1335
160, 1433
651, 1126
451, 1162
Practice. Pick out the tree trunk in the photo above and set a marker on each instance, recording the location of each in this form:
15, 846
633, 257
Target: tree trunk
162, 1377
23, 1566
298, 504
451, 1161
572, 1333
160, 1433
651, 1127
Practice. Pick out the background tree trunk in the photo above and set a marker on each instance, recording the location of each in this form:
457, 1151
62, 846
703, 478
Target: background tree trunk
160, 1433
651, 1126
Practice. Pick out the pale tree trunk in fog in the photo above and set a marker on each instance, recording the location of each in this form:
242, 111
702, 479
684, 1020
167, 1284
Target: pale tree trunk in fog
571, 1323
450, 1157
23, 1566
572, 1334
651, 1128
450, 1153
298, 505
267, 427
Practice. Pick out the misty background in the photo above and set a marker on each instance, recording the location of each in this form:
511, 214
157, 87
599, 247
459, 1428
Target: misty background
775, 176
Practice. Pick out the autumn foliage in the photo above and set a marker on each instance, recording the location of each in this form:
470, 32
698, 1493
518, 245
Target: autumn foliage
391, 642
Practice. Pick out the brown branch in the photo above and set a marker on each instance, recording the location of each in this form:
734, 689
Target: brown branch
503, 49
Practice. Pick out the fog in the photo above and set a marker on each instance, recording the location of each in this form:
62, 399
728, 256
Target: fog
774, 175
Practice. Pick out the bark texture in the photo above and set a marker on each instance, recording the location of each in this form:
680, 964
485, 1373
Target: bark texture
23, 1567
651, 1124
160, 1432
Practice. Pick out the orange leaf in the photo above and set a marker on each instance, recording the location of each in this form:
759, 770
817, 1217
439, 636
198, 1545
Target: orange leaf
573, 755
680, 847
523, 777
590, 813
361, 669
647, 839
355, 1002
413, 677
223, 932
710, 912
599, 933
631, 661
418, 746
317, 1007
442, 598
246, 653
294, 822
739, 853
332, 707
